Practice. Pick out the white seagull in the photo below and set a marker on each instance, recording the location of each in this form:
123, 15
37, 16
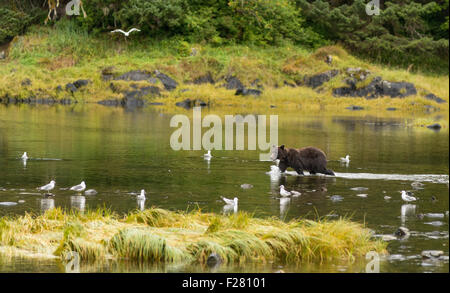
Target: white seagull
230, 202
79, 188
295, 193
207, 156
126, 34
48, 187
24, 156
345, 160
407, 197
142, 195
284, 192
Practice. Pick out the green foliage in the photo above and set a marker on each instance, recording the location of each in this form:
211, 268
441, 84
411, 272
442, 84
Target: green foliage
11, 23
405, 32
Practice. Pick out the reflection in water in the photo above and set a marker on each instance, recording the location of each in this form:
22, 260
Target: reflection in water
47, 204
78, 202
141, 203
120, 152
406, 211
230, 208
284, 206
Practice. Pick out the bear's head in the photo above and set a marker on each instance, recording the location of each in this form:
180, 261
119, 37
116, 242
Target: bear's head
279, 153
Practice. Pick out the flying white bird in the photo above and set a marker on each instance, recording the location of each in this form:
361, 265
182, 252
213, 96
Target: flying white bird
48, 187
142, 195
345, 160
24, 156
407, 197
208, 155
79, 188
126, 34
284, 192
231, 202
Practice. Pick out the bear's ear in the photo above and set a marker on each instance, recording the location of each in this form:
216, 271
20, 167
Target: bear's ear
282, 147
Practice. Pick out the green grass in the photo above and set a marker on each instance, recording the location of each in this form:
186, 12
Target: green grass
53, 56
162, 236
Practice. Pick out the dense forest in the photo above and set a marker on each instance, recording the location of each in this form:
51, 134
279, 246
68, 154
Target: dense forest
405, 33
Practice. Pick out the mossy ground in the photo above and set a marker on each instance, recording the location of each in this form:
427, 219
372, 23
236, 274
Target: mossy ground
161, 236
53, 56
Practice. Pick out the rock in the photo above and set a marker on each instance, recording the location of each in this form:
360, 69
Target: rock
232, 83
402, 232
319, 79
156, 104
194, 52
355, 108
432, 253
21, 201
70, 87
59, 89
391, 109
2, 55
204, 79
135, 75
169, 83
81, 82
435, 98
25, 82
247, 92
435, 126
289, 84
377, 87
214, 260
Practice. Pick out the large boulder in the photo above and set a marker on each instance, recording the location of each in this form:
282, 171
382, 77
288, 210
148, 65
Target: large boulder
377, 87
233, 83
134, 75
207, 78
169, 83
317, 80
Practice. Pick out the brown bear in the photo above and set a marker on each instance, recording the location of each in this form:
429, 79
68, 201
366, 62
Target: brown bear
310, 159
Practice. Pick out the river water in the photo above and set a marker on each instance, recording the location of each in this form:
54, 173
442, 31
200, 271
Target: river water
118, 152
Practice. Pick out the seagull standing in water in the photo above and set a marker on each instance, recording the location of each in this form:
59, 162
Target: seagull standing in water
231, 202
142, 195
284, 192
79, 188
48, 187
345, 160
407, 197
208, 155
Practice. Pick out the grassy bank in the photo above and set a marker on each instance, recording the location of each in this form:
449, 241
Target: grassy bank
162, 236
54, 56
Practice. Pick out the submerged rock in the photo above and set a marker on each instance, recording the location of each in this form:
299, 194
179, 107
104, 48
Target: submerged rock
246, 186
90, 192
336, 198
188, 103
354, 108
214, 260
81, 83
435, 126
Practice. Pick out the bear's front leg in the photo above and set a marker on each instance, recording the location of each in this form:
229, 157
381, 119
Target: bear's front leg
299, 171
